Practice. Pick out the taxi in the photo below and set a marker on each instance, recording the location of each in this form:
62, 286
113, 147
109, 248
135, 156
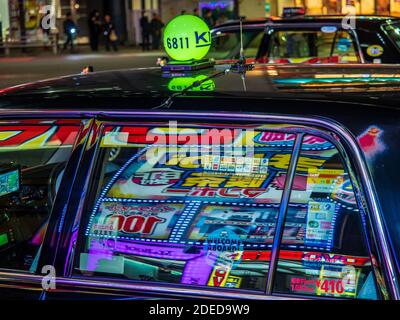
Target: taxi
202, 181
311, 39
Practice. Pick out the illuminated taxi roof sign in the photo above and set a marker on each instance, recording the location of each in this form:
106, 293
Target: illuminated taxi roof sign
187, 38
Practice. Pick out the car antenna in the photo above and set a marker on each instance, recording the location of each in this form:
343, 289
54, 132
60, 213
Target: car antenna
241, 66
242, 58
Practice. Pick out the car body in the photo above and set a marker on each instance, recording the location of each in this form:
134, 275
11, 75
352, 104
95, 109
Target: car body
311, 39
108, 204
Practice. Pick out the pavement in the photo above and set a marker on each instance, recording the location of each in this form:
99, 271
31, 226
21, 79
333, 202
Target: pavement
19, 69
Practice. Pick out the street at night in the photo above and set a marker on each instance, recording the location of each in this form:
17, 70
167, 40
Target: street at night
21, 69
200, 159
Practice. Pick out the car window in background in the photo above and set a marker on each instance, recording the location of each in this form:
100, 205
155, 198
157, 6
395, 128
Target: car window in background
33, 155
330, 257
226, 45
304, 46
170, 215
252, 47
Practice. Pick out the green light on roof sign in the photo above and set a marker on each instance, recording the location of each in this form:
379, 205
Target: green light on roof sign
187, 37
3, 239
182, 83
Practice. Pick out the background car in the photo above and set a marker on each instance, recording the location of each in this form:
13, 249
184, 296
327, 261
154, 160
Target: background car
311, 39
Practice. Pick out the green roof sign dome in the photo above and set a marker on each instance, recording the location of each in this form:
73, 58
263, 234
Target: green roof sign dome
187, 37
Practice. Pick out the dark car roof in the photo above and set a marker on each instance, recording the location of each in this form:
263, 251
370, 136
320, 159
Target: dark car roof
376, 85
371, 20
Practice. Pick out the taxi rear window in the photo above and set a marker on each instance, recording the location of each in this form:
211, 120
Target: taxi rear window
198, 205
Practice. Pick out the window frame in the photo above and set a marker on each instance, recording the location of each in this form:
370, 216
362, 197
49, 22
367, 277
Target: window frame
377, 241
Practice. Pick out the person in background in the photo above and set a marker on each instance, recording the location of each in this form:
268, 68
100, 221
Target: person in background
94, 30
221, 19
1, 31
110, 35
208, 18
145, 27
196, 12
156, 28
183, 12
70, 31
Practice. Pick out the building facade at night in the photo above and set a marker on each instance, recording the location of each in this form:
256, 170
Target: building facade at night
380, 7
21, 18
262, 8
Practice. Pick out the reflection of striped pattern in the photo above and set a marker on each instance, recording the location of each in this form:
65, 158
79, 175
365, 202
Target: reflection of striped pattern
302, 232
307, 256
32, 137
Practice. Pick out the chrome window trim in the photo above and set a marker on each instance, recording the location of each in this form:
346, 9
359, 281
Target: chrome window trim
246, 27
54, 241
328, 124
283, 208
358, 44
130, 286
304, 25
